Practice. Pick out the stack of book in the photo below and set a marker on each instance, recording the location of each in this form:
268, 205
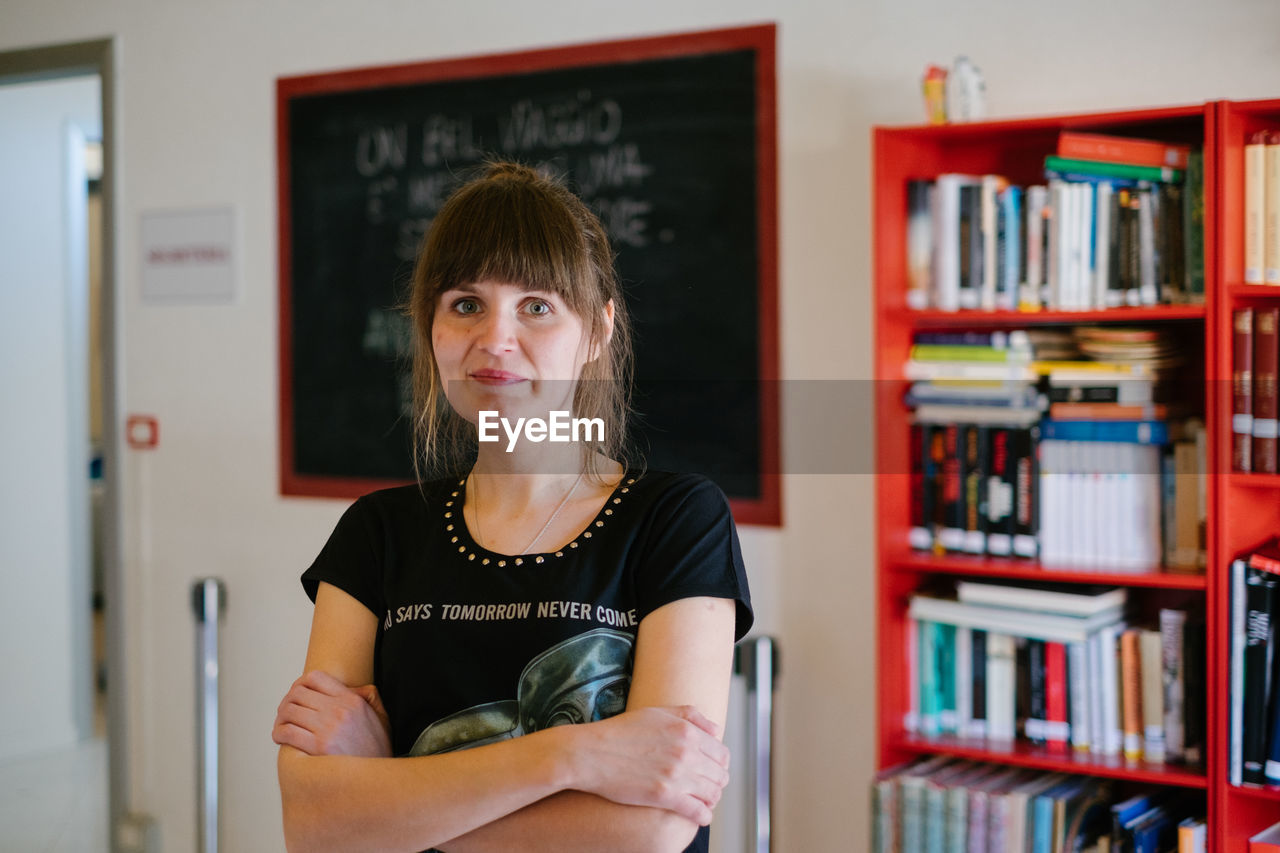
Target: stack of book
939, 803
1111, 478
1255, 363
1043, 663
1118, 222
1262, 208
1255, 661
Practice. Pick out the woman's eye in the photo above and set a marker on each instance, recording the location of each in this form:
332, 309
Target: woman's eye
539, 307
466, 306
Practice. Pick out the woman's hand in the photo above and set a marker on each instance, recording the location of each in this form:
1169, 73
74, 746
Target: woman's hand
322, 716
668, 758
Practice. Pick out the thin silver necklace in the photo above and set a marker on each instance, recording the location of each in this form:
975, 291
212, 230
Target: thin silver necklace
527, 549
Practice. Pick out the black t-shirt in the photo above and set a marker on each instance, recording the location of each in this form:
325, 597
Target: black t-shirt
475, 647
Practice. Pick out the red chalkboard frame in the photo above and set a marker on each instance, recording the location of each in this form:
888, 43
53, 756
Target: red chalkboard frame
763, 510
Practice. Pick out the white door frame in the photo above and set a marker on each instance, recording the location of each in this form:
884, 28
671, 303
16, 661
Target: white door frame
70, 60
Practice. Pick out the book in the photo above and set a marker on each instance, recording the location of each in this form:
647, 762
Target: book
1266, 841
1066, 599
1235, 755
1150, 664
978, 692
1173, 677
1000, 715
919, 243
1023, 445
1193, 835
1122, 149
1130, 392
1271, 210
972, 256
1135, 432
1079, 676
1242, 389
1255, 190
1266, 365
920, 536
1057, 729
1031, 624
1098, 169
948, 241
1260, 604
1131, 693
1000, 492
1193, 227
1108, 411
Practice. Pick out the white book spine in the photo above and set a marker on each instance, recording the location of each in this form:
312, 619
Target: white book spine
1097, 734
1000, 686
911, 720
1078, 673
1172, 627
1148, 289
990, 198
1238, 639
1050, 512
946, 242
1053, 264
1101, 243
1036, 199
1112, 732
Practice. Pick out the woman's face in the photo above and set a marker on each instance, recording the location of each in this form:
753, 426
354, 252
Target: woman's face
502, 347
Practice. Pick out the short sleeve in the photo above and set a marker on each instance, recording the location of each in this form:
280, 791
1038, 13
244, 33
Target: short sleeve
352, 559
692, 550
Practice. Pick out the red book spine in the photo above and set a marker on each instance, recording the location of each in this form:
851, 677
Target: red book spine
1122, 149
1057, 729
1266, 363
1242, 390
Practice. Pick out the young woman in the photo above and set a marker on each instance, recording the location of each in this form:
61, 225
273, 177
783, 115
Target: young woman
461, 623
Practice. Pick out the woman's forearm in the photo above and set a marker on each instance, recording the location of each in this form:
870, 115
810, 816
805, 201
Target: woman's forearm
577, 822
345, 803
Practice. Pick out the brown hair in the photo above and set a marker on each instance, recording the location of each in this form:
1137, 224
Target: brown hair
513, 224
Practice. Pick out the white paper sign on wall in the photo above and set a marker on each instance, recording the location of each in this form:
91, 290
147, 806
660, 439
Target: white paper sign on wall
189, 256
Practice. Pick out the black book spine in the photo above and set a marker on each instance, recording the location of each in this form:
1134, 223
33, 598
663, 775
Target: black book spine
1022, 685
1260, 603
1084, 394
1193, 696
1037, 712
952, 488
1023, 451
978, 647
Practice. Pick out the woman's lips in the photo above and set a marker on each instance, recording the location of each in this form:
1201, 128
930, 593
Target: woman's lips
495, 377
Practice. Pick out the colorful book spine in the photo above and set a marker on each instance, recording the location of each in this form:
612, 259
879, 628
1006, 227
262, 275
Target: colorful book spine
1131, 690
1150, 664
1133, 432
1122, 149
1242, 390
1271, 208
1193, 227
1066, 165
919, 535
1172, 625
919, 243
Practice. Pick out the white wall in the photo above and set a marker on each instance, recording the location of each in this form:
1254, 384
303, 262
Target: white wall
197, 129
44, 428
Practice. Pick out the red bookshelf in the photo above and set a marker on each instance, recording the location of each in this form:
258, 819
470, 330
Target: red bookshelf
1243, 509
1247, 505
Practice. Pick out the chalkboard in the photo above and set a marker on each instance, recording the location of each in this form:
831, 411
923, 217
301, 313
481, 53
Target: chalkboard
670, 140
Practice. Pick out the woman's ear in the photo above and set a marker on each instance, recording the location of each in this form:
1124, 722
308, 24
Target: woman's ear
602, 343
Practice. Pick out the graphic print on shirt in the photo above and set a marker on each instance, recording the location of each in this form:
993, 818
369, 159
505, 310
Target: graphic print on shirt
580, 680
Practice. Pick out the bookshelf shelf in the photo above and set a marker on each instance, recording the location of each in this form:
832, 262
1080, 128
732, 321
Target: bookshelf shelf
1254, 481
1253, 291
1014, 569
1022, 754
997, 319
1269, 792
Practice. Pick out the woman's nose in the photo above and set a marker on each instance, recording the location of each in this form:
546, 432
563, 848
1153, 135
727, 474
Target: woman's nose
496, 333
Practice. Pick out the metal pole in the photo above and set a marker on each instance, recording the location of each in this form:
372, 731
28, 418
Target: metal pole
208, 599
758, 660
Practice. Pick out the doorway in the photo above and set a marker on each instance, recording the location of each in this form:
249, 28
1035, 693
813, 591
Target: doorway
62, 749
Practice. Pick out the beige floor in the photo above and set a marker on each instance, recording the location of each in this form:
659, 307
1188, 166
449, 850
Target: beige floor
55, 802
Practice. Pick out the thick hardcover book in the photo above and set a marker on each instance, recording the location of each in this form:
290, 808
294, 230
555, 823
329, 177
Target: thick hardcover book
1122, 149
1126, 392
1242, 390
1001, 673
948, 241
1260, 596
1108, 411
1078, 695
1020, 623
1266, 364
1066, 599
1098, 169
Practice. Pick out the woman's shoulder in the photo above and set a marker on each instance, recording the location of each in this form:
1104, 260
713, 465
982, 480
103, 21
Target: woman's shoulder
675, 491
